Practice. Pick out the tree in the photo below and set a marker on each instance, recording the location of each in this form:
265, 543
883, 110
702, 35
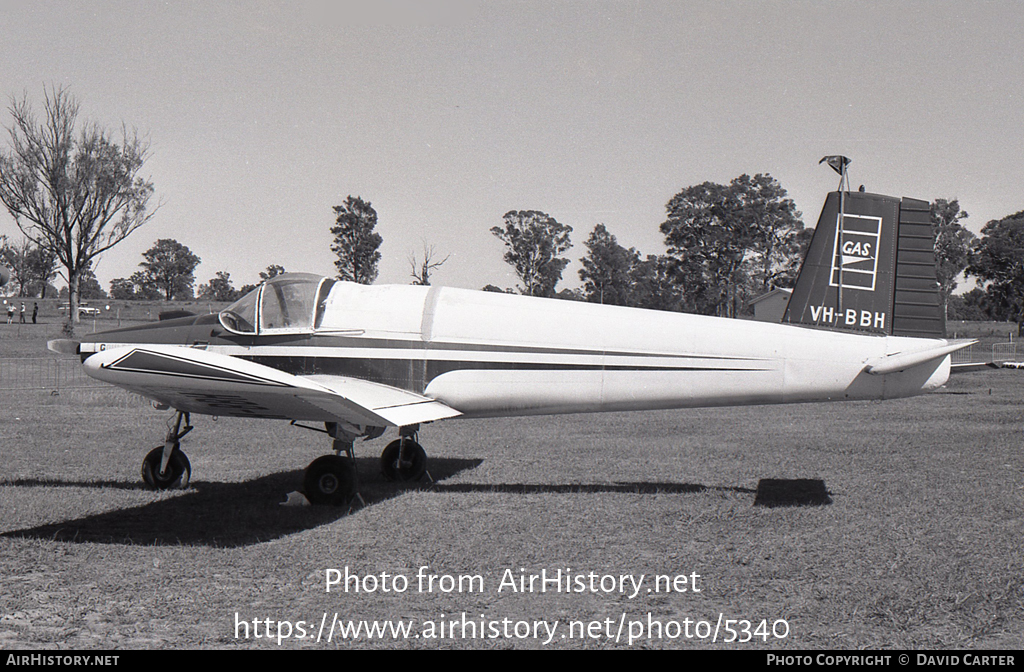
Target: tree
952, 246
570, 294
998, 261
607, 272
787, 275
972, 306
708, 237
170, 266
13, 257
145, 286
720, 236
40, 268
775, 228
355, 241
122, 289
76, 192
89, 287
656, 286
31, 266
421, 271
138, 286
534, 242
219, 288
272, 271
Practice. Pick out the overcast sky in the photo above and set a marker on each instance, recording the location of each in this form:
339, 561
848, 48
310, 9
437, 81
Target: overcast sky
446, 115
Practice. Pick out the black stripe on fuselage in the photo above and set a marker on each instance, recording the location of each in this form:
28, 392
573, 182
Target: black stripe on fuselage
328, 342
416, 374
412, 364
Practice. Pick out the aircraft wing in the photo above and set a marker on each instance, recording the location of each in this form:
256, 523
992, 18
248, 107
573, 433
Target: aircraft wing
397, 407
197, 381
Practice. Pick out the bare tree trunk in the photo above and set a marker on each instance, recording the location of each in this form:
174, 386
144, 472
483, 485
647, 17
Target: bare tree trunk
73, 317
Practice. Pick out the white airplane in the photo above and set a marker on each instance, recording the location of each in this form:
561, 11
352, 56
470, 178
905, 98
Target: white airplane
864, 322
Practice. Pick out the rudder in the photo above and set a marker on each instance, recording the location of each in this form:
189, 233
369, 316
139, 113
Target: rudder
871, 271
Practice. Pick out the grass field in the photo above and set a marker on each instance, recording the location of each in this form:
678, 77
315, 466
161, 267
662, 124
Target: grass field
916, 542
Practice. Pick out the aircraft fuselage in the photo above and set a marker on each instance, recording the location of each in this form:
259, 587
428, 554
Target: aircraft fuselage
490, 354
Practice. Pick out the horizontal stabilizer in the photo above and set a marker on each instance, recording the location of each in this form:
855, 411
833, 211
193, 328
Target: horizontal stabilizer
898, 361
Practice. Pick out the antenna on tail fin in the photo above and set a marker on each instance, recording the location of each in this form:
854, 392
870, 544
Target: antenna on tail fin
870, 267
839, 164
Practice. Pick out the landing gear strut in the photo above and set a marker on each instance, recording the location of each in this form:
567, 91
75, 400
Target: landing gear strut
166, 467
404, 459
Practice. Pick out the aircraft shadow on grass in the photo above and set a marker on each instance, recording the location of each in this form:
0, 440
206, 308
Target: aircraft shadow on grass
227, 515
770, 492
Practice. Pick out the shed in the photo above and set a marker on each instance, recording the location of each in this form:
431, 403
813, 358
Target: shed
771, 306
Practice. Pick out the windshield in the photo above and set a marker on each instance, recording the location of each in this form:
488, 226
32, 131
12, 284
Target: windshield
240, 316
291, 302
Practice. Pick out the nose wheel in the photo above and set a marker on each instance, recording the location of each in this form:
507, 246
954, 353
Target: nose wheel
166, 467
175, 477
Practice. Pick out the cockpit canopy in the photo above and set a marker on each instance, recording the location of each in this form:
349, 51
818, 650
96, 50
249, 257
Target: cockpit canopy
287, 303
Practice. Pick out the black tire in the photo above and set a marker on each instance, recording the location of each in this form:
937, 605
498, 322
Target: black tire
331, 480
412, 468
179, 470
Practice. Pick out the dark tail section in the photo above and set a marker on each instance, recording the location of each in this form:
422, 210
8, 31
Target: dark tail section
871, 270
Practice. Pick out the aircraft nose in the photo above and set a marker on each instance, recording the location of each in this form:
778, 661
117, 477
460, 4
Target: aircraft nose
95, 364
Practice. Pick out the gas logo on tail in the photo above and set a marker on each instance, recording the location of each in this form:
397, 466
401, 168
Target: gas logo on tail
855, 253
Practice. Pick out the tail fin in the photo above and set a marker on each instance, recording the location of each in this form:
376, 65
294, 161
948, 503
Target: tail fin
873, 270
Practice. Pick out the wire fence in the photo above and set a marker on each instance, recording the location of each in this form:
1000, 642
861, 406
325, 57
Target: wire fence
64, 378
43, 373
963, 356
1004, 352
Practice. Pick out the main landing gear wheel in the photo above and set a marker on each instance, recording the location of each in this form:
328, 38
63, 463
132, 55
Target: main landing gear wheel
403, 460
330, 479
177, 475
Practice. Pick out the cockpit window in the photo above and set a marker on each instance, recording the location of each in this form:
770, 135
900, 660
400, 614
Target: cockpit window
288, 302
240, 316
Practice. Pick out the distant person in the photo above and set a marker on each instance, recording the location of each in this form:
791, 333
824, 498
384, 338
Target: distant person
35, 312
10, 313
23, 313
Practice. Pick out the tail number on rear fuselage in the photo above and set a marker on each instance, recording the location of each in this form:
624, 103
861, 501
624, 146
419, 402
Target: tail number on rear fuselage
849, 318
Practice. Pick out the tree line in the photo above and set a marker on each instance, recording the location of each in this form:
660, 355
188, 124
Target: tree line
75, 190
